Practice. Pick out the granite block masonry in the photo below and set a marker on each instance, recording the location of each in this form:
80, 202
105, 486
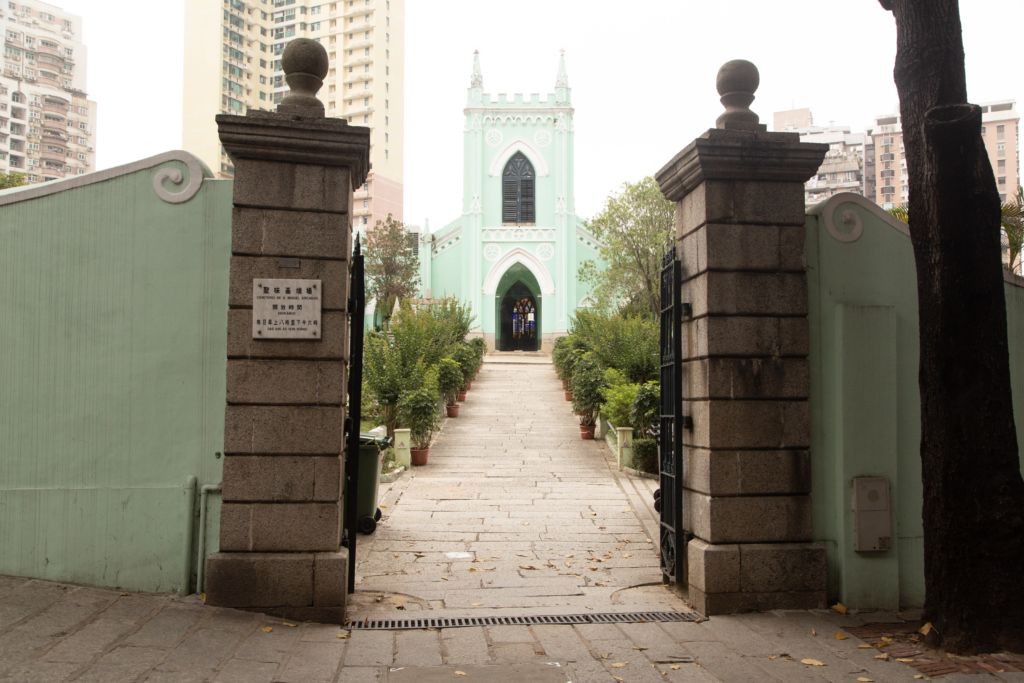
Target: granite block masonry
295, 171
739, 235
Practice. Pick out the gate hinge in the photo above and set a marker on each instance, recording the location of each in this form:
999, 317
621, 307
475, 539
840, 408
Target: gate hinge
688, 423
686, 310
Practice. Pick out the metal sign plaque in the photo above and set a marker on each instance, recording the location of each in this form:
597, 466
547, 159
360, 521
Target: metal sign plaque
285, 309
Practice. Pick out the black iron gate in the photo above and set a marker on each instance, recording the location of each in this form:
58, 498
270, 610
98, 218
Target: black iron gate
673, 536
356, 310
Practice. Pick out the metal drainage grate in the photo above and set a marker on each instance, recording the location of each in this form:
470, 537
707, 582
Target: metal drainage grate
460, 622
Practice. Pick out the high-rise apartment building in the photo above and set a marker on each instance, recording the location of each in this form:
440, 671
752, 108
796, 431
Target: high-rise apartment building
1000, 130
47, 123
233, 64
842, 170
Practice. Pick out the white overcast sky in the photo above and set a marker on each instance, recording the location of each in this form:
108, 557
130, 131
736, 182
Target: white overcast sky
642, 74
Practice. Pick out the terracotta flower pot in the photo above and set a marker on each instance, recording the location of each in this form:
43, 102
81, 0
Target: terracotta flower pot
452, 409
586, 432
462, 396
418, 456
568, 396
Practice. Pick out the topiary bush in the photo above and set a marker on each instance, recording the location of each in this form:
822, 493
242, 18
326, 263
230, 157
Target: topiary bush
645, 455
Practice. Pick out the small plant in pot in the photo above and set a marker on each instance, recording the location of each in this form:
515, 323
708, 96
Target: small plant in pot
449, 380
418, 411
587, 383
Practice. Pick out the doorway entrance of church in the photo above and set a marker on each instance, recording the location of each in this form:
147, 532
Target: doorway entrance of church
519, 311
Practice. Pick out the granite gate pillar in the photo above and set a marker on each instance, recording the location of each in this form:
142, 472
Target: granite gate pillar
740, 236
287, 348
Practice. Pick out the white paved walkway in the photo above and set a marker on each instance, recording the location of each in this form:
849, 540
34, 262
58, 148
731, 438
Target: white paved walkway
513, 514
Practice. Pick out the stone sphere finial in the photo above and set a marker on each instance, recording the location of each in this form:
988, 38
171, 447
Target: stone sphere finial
305, 65
737, 81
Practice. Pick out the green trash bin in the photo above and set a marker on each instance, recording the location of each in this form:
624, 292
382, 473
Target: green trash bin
370, 449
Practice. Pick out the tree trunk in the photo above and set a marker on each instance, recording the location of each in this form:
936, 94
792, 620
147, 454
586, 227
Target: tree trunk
973, 492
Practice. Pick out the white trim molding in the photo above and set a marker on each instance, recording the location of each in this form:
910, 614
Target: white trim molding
528, 261
162, 177
528, 150
845, 224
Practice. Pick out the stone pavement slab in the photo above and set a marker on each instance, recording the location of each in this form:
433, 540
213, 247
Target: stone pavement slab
203, 643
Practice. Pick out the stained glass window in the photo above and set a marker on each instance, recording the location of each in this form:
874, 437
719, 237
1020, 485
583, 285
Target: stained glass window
518, 194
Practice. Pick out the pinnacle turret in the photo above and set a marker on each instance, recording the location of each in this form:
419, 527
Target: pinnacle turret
477, 79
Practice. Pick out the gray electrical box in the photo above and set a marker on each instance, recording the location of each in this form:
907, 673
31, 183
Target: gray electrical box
872, 515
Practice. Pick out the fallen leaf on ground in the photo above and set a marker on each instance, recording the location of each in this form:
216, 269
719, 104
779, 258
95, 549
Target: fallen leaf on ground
840, 608
419, 554
618, 665
884, 656
289, 624
481, 569
593, 568
919, 676
926, 629
840, 636
620, 679
676, 667
527, 566
812, 662
460, 673
865, 646
864, 679
905, 660
627, 555
344, 636
639, 647
202, 597
475, 604
814, 632
267, 629
444, 578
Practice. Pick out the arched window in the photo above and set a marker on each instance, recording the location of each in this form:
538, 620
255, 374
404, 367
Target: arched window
518, 191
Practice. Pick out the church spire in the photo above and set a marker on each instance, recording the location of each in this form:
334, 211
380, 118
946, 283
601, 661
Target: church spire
562, 81
477, 79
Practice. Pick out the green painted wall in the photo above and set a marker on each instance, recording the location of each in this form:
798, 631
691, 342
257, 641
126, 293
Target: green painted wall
112, 377
865, 401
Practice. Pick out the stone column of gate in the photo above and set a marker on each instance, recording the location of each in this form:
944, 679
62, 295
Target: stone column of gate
280, 526
740, 238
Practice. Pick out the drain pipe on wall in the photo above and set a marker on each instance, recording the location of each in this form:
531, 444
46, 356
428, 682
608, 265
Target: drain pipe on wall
204, 493
190, 506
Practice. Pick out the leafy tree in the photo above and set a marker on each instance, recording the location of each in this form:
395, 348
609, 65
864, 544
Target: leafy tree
633, 228
973, 493
9, 180
1012, 220
392, 267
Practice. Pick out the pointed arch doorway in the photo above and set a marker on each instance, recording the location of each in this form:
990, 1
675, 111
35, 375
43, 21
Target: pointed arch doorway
517, 303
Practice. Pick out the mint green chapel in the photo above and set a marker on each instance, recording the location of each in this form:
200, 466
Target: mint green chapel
514, 252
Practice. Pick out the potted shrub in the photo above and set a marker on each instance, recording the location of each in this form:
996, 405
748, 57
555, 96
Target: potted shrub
571, 359
466, 357
418, 411
558, 354
480, 346
587, 382
449, 379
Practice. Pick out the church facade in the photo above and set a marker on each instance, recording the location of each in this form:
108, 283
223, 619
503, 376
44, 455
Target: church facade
514, 253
